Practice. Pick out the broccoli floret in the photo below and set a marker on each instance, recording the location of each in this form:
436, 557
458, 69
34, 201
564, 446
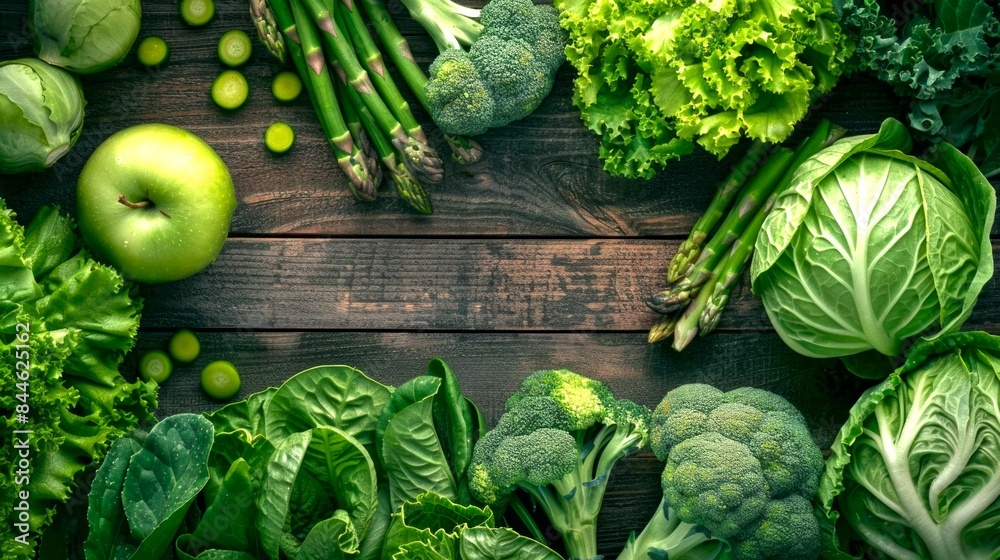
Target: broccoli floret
788, 529
558, 439
716, 481
741, 472
457, 96
515, 49
537, 25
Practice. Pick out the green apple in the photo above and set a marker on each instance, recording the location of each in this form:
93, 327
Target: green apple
155, 201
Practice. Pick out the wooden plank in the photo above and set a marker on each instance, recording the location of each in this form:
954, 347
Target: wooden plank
542, 175
441, 284
490, 366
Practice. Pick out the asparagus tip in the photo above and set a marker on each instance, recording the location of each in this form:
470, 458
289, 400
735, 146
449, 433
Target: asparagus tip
411, 191
662, 330
667, 302
683, 335
359, 179
421, 159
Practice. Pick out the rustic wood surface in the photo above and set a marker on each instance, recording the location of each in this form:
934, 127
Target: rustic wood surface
534, 258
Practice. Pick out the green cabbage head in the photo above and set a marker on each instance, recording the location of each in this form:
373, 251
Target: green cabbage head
84, 36
915, 471
41, 111
870, 247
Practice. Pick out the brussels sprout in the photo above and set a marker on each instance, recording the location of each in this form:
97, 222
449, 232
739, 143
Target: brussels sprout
84, 36
870, 247
41, 113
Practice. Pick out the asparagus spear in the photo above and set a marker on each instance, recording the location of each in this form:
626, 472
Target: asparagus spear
360, 135
463, 149
408, 187
371, 58
742, 250
663, 329
419, 157
690, 249
302, 47
754, 195
686, 327
267, 28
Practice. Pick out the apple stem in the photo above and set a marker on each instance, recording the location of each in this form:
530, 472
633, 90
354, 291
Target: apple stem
136, 205
133, 205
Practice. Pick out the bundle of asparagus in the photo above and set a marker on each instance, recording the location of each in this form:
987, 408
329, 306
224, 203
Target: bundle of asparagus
702, 274
364, 115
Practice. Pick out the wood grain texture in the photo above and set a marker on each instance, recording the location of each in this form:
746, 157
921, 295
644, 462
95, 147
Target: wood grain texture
490, 366
541, 176
443, 284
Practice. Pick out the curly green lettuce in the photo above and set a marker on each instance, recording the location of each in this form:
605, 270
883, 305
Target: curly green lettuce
944, 56
657, 77
70, 321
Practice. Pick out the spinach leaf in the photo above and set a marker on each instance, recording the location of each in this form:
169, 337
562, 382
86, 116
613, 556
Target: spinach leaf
229, 522
371, 545
336, 462
164, 478
247, 414
331, 539
332, 396
230, 447
499, 543
414, 390
108, 535
414, 458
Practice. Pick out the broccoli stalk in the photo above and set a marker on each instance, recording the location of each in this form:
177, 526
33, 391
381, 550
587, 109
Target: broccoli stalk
495, 65
667, 536
558, 441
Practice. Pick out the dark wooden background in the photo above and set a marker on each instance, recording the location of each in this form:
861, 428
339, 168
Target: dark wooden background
534, 258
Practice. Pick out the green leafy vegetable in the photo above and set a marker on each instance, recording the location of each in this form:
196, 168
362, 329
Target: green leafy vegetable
426, 433
657, 77
331, 472
741, 473
334, 396
42, 110
84, 36
337, 529
73, 320
870, 247
160, 482
229, 521
431, 526
105, 514
943, 56
915, 471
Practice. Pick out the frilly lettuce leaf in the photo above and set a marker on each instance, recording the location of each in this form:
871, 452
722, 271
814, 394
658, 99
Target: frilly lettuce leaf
432, 527
82, 318
656, 77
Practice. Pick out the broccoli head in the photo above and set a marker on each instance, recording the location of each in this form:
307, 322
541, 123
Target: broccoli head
741, 466
514, 50
558, 439
456, 94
